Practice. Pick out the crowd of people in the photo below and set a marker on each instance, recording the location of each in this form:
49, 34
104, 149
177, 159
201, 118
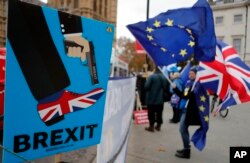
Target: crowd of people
182, 101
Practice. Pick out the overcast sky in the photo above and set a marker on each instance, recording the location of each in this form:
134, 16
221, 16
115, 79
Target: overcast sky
133, 11
44, 1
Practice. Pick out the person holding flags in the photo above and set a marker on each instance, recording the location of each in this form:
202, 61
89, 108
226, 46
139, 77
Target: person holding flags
175, 36
195, 112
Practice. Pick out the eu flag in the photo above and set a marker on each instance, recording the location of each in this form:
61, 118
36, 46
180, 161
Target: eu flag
176, 35
185, 73
202, 100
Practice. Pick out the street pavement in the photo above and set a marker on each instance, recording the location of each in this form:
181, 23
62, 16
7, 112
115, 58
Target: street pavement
160, 147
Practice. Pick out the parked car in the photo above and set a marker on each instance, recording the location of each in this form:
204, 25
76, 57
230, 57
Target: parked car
2, 80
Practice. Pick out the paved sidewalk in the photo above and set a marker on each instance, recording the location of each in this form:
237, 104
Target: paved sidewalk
160, 147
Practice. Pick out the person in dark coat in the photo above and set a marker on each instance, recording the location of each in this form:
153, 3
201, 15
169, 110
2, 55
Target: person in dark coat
189, 115
154, 88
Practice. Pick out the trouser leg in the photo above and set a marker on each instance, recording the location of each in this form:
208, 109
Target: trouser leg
159, 111
184, 131
151, 115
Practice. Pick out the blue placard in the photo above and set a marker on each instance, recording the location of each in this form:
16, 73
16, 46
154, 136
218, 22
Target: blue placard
54, 102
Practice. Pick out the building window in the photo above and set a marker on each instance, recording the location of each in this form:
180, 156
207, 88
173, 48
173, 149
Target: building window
216, 2
219, 20
237, 44
228, 1
76, 3
106, 8
238, 18
95, 6
100, 7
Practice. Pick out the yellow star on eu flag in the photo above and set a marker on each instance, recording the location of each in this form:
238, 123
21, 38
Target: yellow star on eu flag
191, 43
157, 23
203, 98
169, 22
149, 30
192, 37
206, 118
183, 52
202, 108
163, 49
181, 26
153, 43
189, 31
150, 38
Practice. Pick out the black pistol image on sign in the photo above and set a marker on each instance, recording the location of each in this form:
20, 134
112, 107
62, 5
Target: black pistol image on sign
76, 45
41, 64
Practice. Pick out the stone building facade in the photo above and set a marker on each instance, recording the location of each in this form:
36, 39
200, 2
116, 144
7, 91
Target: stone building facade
232, 24
3, 21
103, 10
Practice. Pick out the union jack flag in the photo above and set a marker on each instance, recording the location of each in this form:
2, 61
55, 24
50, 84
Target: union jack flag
68, 102
213, 75
239, 73
227, 76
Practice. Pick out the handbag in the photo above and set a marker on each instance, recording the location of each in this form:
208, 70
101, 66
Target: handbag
140, 115
174, 99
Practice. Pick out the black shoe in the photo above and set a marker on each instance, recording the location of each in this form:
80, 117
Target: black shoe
158, 127
184, 153
150, 129
180, 151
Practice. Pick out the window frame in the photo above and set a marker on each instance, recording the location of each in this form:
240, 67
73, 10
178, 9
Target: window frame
238, 22
237, 47
219, 22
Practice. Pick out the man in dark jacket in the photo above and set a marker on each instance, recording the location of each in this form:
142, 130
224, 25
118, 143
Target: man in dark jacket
190, 114
154, 88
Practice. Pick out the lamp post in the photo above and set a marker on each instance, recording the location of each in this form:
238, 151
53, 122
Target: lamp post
146, 66
147, 9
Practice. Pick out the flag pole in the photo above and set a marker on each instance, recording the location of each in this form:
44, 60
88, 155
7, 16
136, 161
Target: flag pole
165, 75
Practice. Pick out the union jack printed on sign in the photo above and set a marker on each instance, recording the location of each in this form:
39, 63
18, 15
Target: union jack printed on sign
67, 103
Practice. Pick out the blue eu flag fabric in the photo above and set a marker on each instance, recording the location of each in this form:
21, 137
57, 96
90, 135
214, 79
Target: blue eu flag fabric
176, 35
202, 100
185, 73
